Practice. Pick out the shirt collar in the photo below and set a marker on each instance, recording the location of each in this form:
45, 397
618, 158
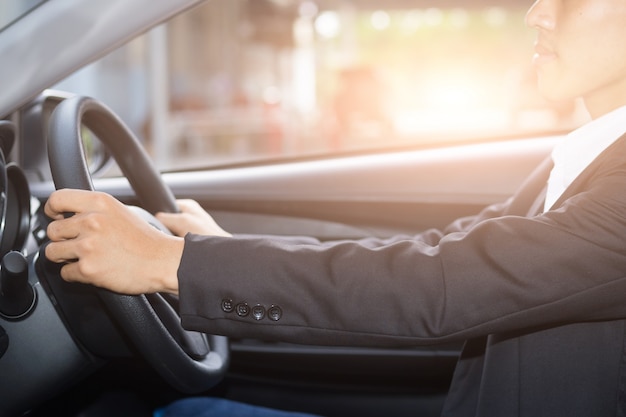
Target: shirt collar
580, 147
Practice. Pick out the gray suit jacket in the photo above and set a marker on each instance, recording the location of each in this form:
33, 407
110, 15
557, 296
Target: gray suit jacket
539, 299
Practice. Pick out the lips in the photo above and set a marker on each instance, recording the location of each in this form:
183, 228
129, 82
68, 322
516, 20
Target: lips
543, 53
542, 49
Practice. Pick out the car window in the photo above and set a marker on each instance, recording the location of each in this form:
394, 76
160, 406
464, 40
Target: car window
238, 81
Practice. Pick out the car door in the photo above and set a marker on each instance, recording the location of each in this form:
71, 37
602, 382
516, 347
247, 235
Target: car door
374, 194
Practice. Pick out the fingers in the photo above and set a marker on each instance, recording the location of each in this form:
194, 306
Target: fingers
75, 237
189, 206
74, 271
63, 251
61, 202
70, 272
67, 235
107, 245
191, 214
192, 219
169, 220
63, 229
74, 201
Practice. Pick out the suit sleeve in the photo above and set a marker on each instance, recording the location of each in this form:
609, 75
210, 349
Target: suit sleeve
489, 274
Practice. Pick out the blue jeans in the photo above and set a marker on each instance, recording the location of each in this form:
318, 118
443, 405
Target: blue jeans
219, 407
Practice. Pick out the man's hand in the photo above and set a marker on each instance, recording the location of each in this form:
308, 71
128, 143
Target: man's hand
107, 245
192, 219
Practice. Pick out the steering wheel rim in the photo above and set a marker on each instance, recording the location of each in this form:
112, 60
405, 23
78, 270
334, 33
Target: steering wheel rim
149, 321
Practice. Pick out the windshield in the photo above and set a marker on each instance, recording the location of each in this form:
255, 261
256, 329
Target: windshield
236, 81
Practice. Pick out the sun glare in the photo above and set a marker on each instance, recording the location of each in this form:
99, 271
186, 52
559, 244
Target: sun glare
328, 24
453, 103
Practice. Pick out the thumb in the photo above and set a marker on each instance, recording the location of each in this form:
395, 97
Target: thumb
168, 219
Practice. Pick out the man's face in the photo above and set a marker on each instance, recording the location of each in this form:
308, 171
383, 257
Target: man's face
581, 51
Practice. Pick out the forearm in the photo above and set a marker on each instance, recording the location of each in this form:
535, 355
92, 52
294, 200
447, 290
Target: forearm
405, 293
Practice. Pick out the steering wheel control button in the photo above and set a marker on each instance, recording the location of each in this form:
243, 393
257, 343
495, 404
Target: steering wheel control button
258, 312
275, 313
228, 305
243, 309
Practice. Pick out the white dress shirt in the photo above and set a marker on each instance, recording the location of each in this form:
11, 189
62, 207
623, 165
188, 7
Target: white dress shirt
580, 148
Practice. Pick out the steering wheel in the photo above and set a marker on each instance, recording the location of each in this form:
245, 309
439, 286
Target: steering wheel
189, 361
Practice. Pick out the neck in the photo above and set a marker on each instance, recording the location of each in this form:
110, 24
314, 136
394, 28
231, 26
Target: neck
597, 110
605, 100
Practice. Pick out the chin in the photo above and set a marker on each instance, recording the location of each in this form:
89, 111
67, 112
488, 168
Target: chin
552, 91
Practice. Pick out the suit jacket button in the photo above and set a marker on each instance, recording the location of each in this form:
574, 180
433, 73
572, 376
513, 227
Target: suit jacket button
243, 309
227, 305
258, 312
275, 313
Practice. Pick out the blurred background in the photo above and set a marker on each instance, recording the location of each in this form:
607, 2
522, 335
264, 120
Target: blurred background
234, 81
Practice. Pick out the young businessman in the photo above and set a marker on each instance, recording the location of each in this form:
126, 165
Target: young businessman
538, 296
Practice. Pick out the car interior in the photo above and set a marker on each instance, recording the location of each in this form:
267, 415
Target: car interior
75, 350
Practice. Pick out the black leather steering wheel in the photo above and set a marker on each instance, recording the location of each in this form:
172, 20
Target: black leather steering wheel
189, 361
